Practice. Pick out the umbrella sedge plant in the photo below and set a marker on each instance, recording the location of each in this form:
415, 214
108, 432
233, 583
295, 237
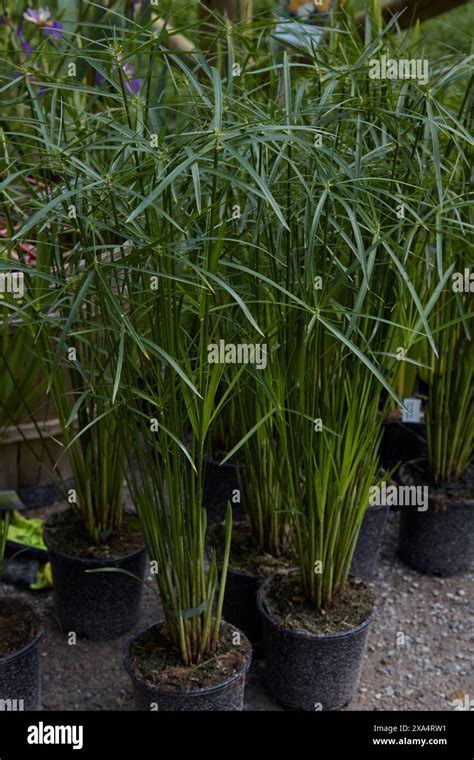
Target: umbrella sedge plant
397, 207
450, 416
360, 283
176, 299
439, 539
344, 228
315, 209
61, 309
66, 305
450, 413
51, 134
89, 422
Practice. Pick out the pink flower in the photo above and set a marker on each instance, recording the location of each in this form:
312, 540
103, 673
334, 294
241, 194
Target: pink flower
28, 250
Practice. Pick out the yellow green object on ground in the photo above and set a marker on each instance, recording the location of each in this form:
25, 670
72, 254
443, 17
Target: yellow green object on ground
29, 533
26, 531
44, 578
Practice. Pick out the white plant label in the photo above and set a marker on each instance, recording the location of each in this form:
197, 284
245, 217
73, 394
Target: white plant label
412, 413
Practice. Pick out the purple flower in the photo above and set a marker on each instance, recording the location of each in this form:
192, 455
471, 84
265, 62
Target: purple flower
132, 83
53, 29
42, 19
25, 45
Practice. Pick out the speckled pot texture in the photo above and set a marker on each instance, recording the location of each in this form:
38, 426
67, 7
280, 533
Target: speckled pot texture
20, 683
367, 550
438, 541
240, 607
227, 696
97, 606
307, 672
220, 482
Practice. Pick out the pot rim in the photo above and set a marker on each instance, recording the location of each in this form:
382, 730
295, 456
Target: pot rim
246, 574
25, 549
190, 693
90, 560
31, 644
253, 576
401, 476
301, 634
414, 426
93, 561
243, 573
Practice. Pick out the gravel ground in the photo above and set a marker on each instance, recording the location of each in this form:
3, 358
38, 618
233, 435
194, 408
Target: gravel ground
419, 656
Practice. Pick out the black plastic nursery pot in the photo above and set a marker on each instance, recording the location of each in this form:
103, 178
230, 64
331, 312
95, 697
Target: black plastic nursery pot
240, 598
225, 696
240, 606
306, 671
97, 605
369, 543
402, 442
220, 484
20, 683
440, 540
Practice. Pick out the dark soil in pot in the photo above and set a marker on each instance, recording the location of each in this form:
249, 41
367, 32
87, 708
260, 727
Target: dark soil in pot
161, 682
440, 540
20, 635
96, 606
220, 485
247, 570
313, 660
402, 442
369, 543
